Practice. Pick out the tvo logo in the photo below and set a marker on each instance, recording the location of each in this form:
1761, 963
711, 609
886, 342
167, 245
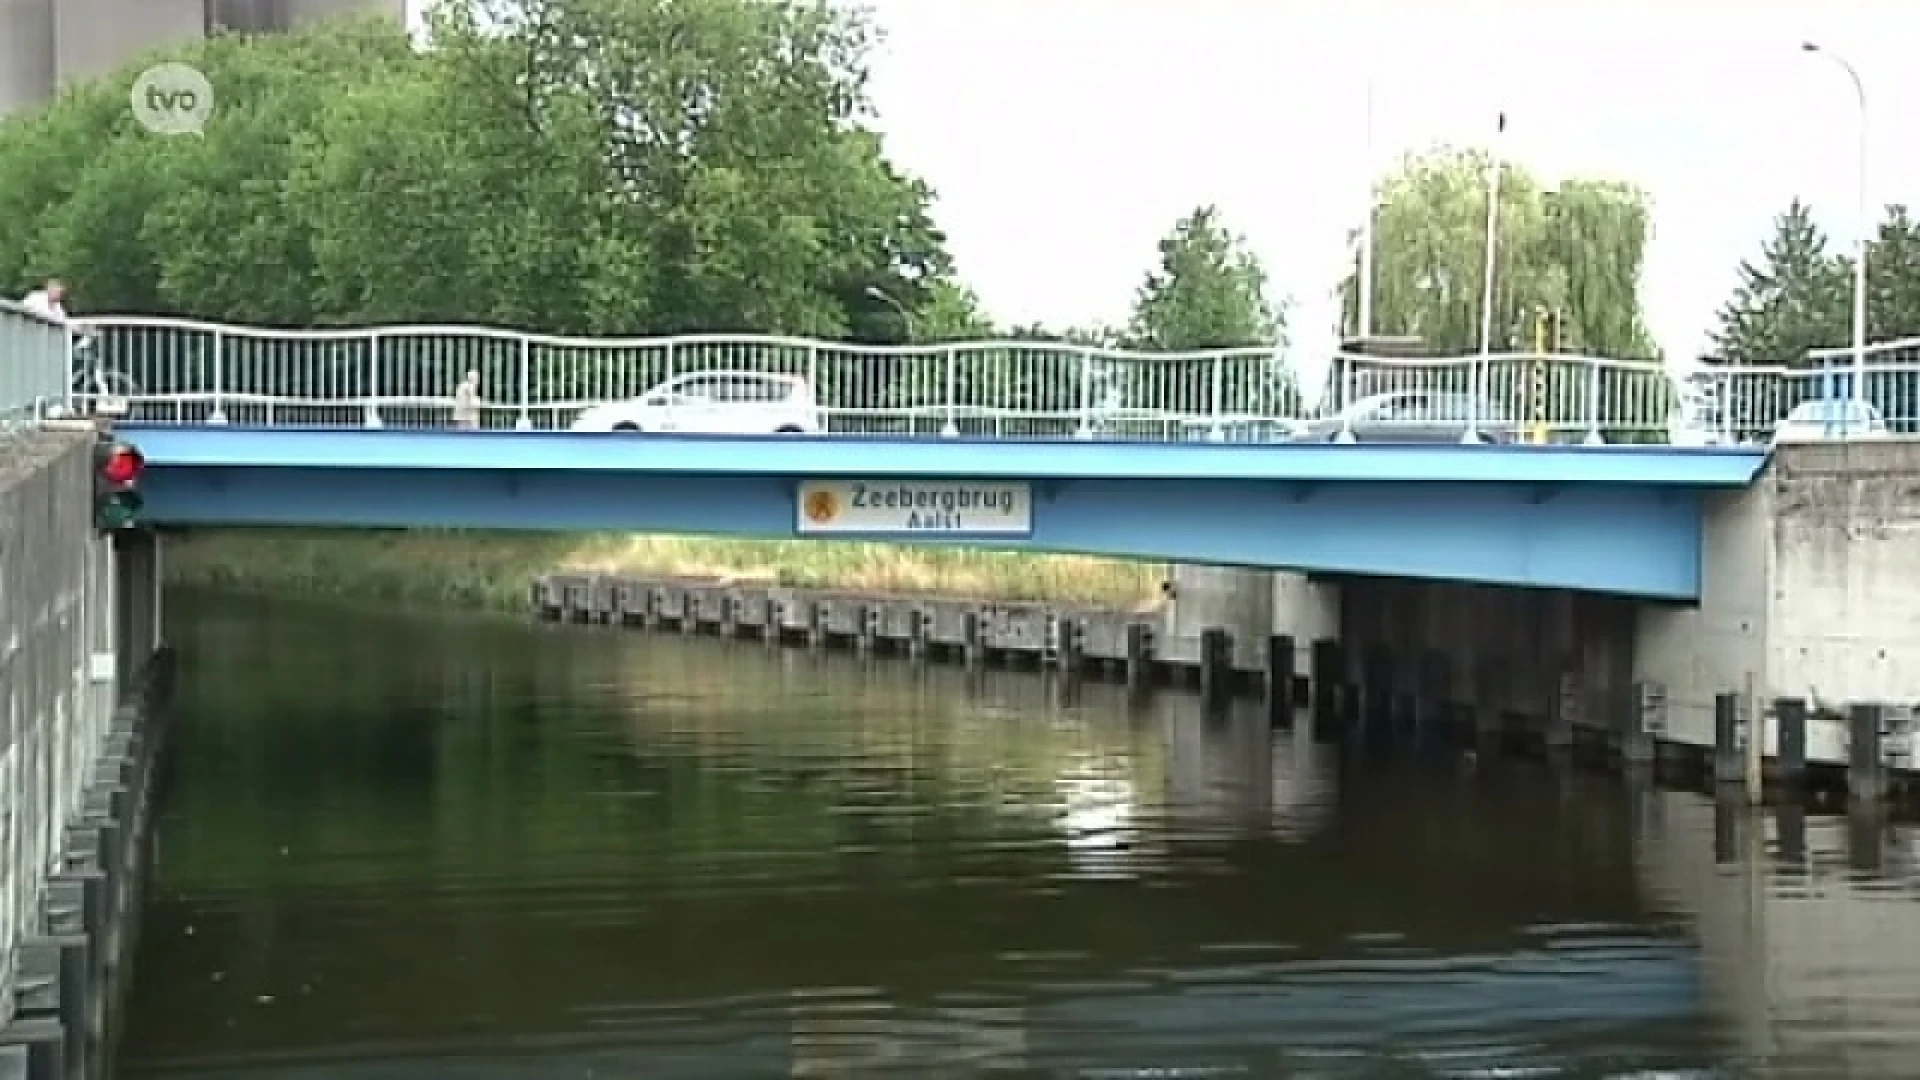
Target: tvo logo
172, 99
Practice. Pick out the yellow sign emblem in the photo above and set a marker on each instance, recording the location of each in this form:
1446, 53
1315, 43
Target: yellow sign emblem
821, 507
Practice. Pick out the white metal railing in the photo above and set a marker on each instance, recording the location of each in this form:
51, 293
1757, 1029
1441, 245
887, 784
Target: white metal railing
1747, 403
1546, 397
35, 365
405, 376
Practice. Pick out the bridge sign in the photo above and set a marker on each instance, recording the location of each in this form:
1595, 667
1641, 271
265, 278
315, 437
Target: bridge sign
913, 508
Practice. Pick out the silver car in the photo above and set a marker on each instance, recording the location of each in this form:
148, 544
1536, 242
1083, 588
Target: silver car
1413, 416
713, 403
1827, 419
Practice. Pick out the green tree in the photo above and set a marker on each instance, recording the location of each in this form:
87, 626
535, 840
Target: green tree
732, 127
1893, 277
1578, 251
1794, 298
571, 165
1208, 292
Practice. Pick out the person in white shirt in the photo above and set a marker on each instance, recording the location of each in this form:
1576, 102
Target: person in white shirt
49, 301
466, 403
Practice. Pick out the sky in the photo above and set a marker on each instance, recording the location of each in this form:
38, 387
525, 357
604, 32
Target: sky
1064, 137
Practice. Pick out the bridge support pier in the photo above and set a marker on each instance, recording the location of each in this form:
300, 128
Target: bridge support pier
1376, 681
1430, 703
1280, 680
137, 609
1326, 685
1216, 668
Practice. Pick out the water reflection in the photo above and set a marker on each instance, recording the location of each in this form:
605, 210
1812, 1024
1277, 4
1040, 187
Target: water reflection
1808, 927
410, 846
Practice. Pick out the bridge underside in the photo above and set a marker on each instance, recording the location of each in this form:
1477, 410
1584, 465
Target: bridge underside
1623, 539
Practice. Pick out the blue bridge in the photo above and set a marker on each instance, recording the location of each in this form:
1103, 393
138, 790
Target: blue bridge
1625, 520
1561, 480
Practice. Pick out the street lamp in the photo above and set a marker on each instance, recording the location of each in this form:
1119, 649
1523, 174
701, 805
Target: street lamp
1364, 287
1860, 242
951, 428
906, 317
1496, 166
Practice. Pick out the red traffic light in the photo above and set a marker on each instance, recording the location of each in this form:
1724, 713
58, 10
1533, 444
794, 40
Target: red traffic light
123, 465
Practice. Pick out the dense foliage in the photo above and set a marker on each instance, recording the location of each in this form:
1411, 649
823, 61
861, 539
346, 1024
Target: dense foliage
1575, 253
574, 166
496, 177
1798, 295
593, 166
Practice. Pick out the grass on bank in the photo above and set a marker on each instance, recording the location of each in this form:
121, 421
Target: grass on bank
493, 570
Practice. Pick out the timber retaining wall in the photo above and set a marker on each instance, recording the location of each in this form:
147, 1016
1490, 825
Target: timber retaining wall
1121, 646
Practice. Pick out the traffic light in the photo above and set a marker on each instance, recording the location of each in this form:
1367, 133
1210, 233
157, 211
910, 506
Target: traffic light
117, 468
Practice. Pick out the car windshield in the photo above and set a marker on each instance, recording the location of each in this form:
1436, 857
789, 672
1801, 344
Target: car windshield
1415, 405
1833, 411
728, 389
1374, 405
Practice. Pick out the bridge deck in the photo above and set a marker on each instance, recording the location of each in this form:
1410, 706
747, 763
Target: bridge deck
200, 445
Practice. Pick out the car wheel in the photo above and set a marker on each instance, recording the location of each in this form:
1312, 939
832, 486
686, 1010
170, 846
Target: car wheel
627, 427
789, 429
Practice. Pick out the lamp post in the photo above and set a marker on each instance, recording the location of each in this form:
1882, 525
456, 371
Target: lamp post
1364, 300
951, 428
1496, 166
885, 297
1860, 242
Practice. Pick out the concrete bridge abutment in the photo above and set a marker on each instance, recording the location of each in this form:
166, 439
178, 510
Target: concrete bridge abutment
1808, 619
1255, 608
85, 680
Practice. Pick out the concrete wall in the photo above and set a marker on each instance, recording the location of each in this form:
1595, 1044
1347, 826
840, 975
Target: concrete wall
1252, 605
56, 615
1845, 596
95, 37
1811, 589
1205, 597
26, 52
1694, 653
46, 43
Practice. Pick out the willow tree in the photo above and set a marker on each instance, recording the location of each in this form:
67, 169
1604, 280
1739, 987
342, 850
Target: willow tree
1578, 251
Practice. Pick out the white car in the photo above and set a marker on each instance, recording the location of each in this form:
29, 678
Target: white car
713, 403
1829, 419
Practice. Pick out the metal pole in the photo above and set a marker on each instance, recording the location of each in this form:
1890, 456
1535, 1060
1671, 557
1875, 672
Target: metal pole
1496, 167
1365, 329
1493, 245
1859, 393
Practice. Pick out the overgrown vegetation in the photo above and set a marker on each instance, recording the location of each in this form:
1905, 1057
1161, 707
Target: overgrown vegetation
494, 570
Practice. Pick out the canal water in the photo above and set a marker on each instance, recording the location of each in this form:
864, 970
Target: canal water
415, 846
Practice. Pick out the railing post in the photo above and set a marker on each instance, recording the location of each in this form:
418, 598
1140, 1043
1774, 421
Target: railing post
1476, 390
813, 380
951, 429
525, 422
1086, 394
69, 371
373, 379
219, 413
1214, 434
1593, 437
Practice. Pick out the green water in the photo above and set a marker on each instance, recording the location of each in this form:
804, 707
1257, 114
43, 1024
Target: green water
429, 846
